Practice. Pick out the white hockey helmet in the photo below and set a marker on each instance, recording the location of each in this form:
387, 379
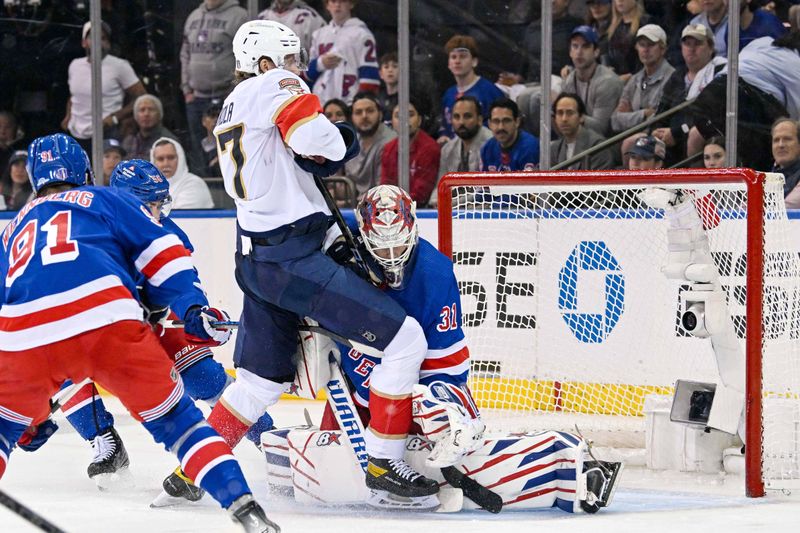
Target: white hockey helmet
259, 38
387, 220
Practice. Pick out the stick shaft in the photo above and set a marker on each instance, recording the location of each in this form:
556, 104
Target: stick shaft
28, 514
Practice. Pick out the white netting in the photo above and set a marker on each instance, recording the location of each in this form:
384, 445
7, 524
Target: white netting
567, 312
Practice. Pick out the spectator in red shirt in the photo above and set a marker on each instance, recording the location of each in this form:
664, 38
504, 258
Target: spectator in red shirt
423, 158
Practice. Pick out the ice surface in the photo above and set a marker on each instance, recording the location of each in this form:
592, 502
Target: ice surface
53, 482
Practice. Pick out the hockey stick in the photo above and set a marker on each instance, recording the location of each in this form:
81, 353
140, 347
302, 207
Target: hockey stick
345, 229
485, 499
216, 324
29, 514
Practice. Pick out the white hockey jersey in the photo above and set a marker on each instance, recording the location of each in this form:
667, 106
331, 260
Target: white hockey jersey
358, 70
263, 123
302, 19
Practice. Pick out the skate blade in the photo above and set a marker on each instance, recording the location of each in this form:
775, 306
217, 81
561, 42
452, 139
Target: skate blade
612, 490
119, 480
382, 499
165, 500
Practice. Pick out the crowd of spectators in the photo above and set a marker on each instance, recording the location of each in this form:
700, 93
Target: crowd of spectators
475, 84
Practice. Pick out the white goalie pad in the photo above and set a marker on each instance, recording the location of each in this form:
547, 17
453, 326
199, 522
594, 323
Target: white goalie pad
529, 471
313, 369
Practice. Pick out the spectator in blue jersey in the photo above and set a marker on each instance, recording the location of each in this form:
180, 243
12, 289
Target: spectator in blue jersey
755, 23
511, 148
462, 60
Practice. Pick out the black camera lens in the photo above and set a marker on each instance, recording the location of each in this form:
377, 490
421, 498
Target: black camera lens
700, 405
689, 321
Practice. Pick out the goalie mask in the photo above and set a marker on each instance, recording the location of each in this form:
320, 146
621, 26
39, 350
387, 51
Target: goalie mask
266, 38
387, 221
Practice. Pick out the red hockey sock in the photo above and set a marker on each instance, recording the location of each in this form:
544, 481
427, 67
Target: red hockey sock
390, 416
228, 424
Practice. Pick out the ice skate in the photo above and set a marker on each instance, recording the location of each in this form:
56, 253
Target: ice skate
251, 516
178, 489
394, 484
601, 484
110, 462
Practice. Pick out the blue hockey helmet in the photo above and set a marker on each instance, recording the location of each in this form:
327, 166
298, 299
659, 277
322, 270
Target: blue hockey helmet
143, 180
55, 159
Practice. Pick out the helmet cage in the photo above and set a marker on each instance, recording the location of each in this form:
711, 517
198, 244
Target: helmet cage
387, 221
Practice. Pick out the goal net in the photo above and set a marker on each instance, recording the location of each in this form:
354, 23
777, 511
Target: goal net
570, 319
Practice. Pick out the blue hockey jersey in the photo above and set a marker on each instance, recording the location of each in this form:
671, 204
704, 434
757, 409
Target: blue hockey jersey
431, 296
70, 260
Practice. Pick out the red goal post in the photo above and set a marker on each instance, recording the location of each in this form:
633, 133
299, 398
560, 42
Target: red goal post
549, 213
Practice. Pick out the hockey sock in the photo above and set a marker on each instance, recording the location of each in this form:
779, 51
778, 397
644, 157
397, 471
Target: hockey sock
263, 424
86, 412
390, 423
204, 455
230, 426
205, 380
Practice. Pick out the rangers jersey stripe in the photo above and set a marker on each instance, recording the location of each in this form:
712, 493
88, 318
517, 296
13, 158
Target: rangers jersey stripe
156, 261
59, 316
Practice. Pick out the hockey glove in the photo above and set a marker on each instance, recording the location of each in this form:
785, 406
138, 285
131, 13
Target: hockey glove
329, 168
198, 327
340, 252
35, 436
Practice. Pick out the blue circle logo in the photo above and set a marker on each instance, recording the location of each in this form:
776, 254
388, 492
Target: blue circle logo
591, 256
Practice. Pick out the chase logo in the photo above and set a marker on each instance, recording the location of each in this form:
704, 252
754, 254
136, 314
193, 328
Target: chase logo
591, 270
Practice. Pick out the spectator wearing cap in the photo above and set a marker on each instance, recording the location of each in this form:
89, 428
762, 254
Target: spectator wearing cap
568, 117
755, 23
120, 84
15, 186
596, 84
113, 153
510, 148
148, 113
627, 16
642, 93
786, 152
647, 153
715, 17
700, 67
462, 153
462, 60
373, 134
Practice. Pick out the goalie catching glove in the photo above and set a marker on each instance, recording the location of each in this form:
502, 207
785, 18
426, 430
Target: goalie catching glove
449, 425
199, 327
328, 167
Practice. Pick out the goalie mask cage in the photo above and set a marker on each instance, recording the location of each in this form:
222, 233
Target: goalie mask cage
570, 320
